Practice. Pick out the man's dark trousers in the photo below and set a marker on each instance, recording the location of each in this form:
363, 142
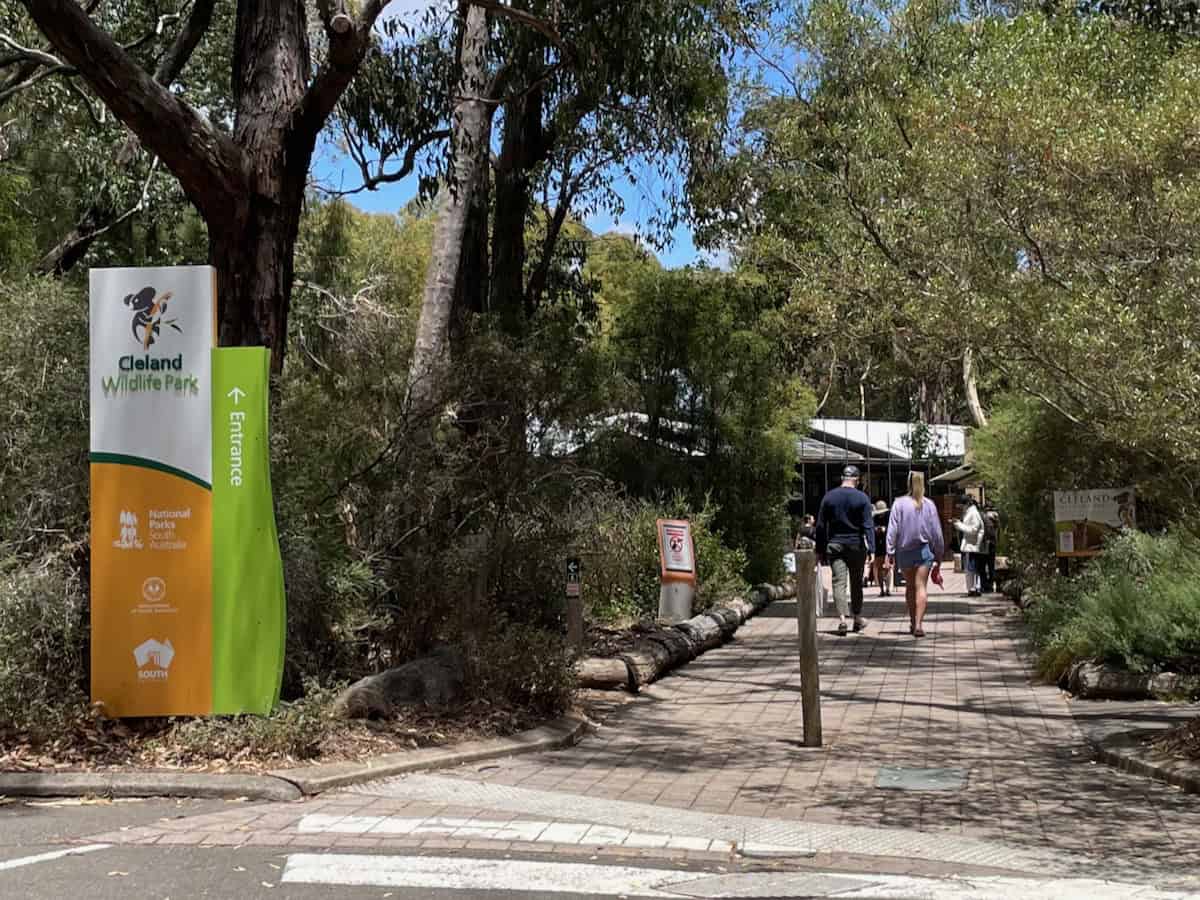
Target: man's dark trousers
847, 564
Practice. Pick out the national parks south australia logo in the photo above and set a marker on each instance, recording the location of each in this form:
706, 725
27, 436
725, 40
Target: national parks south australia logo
149, 315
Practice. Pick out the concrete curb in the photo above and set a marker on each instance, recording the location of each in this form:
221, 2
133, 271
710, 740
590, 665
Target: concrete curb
1125, 752
146, 784
284, 785
310, 780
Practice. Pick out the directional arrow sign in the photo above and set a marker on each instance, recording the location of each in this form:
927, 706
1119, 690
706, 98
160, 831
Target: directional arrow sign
237, 394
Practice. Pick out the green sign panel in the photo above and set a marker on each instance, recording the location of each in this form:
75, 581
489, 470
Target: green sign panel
249, 610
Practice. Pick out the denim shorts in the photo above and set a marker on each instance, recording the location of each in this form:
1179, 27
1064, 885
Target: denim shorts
913, 557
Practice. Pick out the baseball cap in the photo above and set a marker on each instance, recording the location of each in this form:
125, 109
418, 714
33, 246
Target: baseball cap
850, 472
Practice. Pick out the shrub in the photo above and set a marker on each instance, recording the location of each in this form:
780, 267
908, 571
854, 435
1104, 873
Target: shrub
621, 566
296, 730
1028, 451
43, 644
43, 414
521, 666
1136, 606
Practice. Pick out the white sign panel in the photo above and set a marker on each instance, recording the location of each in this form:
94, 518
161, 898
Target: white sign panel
675, 539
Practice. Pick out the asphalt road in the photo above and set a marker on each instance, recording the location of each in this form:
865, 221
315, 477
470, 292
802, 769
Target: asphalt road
28, 827
33, 829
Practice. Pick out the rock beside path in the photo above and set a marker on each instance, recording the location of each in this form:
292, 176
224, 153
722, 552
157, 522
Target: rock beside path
1096, 681
434, 680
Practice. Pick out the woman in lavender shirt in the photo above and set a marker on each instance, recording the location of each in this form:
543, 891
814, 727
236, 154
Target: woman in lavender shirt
915, 545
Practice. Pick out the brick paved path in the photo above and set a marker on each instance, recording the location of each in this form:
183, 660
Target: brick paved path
723, 735
720, 738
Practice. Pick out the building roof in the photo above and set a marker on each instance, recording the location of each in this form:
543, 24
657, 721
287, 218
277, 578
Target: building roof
810, 450
874, 439
964, 472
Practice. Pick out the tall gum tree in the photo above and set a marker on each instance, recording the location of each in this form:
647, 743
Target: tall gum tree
248, 185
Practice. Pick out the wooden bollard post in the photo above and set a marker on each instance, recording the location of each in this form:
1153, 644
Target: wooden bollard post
808, 588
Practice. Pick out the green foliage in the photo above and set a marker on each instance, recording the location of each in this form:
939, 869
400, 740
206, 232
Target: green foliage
1029, 450
516, 665
1136, 606
1023, 185
618, 544
16, 241
43, 643
43, 414
696, 356
294, 731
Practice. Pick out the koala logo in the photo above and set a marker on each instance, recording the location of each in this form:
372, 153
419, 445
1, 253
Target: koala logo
148, 311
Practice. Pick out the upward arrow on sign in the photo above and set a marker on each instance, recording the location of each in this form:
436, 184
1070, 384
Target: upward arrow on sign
237, 394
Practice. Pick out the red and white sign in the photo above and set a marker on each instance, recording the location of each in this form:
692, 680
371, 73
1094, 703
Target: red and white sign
675, 547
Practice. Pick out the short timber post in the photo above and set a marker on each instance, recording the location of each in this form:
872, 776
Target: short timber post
808, 588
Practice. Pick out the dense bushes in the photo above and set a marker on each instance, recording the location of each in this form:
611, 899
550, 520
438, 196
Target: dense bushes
619, 549
1136, 606
43, 643
399, 532
43, 414
1028, 451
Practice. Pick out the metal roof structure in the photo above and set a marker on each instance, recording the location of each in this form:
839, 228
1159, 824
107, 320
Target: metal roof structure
811, 450
874, 439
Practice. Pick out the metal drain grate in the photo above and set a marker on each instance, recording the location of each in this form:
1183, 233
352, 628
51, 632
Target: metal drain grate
900, 778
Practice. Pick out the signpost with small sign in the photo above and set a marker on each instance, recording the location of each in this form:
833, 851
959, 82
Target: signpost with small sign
677, 556
574, 591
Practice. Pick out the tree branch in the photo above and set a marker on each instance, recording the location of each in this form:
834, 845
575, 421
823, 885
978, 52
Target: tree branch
209, 166
30, 54
26, 77
185, 43
541, 26
348, 43
74, 245
1033, 392
829, 387
971, 389
372, 181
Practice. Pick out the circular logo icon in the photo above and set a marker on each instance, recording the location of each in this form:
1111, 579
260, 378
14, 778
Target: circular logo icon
676, 543
154, 589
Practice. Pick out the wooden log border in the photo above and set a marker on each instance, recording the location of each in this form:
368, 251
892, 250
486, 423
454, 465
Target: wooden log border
658, 650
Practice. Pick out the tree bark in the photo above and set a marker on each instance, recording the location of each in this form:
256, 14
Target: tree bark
523, 147
470, 138
971, 389
248, 186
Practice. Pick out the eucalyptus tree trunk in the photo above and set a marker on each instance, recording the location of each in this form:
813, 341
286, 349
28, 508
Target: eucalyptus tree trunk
470, 138
249, 185
971, 389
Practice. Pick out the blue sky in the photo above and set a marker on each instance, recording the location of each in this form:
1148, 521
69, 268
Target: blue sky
334, 170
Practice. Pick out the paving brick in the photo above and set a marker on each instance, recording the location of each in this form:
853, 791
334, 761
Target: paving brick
722, 735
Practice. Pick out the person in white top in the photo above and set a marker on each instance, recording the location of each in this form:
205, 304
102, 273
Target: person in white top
970, 527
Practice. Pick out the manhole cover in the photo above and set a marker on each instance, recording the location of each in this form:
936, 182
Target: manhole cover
904, 779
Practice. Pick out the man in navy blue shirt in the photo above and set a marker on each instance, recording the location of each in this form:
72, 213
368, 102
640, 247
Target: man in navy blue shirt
846, 543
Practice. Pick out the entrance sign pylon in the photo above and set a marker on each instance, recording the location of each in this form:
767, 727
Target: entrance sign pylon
186, 581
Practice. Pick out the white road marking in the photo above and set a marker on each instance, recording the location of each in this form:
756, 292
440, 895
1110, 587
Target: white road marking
54, 854
521, 876
539, 832
526, 876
